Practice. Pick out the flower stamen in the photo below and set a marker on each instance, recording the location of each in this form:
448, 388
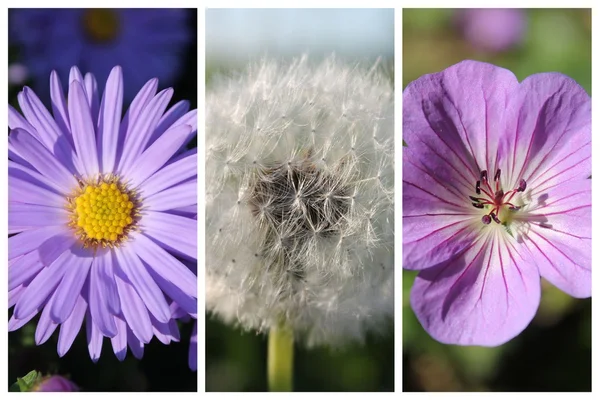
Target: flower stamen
497, 200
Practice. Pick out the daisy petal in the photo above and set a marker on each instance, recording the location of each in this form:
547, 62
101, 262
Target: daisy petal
70, 286
98, 291
155, 156
83, 130
23, 217
31, 240
176, 232
59, 105
171, 175
109, 119
139, 133
45, 326
181, 195
70, 328
30, 191
91, 91
134, 311
136, 346
94, 337
38, 156
23, 269
483, 296
140, 279
170, 118
119, 342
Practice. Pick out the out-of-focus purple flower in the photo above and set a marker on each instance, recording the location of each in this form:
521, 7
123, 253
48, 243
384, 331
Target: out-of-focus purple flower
17, 74
492, 29
55, 383
98, 206
495, 194
147, 43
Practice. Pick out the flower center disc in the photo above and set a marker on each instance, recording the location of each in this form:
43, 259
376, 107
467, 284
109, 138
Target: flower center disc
103, 213
101, 24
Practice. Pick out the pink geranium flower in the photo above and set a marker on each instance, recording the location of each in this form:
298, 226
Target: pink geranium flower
496, 193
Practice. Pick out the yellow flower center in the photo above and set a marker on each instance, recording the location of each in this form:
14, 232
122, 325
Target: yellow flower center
103, 212
101, 24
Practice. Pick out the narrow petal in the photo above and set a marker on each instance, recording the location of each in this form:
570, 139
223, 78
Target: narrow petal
59, 105
171, 175
165, 265
175, 232
14, 323
75, 75
483, 296
188, 304
70, 287
163, 332
70, 328
110, 118
193, 356
91, 91
134, 311
14, 295
24, 269
43, 285
155, 156
141, 129
45, 326
28, 172
22, 217
82, 127
119, 342
31, 192
140, 279
38, 156
98, 293
16, 120
181, 195
30, 240
136, 346
172, 116
94, 337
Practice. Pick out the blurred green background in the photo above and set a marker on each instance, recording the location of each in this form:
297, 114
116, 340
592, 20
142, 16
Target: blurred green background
554, 352
237, 360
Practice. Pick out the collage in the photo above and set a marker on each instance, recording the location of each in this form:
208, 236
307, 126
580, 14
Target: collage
321, 199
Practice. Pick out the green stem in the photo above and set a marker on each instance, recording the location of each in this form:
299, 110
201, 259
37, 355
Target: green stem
280, 363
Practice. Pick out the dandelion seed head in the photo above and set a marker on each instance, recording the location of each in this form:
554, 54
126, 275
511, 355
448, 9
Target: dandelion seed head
299, 181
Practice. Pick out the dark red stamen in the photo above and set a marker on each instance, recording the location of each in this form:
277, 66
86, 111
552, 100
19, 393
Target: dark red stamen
494, 198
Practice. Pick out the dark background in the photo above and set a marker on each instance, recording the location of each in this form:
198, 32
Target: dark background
163, 368
554, 352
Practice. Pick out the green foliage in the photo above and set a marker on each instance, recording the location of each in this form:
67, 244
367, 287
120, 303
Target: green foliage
26, 383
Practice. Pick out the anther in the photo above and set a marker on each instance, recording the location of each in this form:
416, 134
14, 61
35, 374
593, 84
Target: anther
497, 176
522, 186
478, 187
475, 199
484, 175
477, 205
486, 219
495, 218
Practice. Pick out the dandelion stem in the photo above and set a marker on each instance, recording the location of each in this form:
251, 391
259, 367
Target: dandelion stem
281, 359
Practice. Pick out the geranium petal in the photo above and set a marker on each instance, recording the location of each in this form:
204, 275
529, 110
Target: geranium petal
557, 232
483, 296
551, 132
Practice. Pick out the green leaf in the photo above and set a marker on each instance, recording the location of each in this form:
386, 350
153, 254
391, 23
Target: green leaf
26, 383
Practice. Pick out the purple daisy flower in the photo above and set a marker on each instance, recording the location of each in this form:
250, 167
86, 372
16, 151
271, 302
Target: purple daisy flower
147, 43
492, 29
99, 209
495, 194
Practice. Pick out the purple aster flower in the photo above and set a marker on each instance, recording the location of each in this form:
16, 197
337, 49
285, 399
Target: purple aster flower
495, 194
147, 43
492, 29
55, 383
99, 211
